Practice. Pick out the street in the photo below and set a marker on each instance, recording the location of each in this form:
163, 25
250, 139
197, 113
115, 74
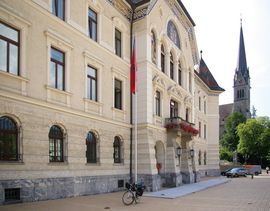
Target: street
237, 194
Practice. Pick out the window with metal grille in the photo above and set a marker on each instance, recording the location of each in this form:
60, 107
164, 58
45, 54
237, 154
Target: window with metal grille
120, 183
8, 140
12, 194
91, 148
117, 150
56, 144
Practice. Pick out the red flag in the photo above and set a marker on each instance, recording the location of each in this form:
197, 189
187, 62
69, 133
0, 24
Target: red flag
133, 69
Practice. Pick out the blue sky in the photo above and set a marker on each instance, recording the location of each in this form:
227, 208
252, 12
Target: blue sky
217, 32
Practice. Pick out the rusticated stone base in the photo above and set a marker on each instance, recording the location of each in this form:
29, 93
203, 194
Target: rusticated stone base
152, 182
55, 188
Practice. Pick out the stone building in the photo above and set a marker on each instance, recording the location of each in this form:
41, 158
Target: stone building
65, 103
241, 87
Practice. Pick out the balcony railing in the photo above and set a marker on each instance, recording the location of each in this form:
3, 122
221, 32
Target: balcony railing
177, 123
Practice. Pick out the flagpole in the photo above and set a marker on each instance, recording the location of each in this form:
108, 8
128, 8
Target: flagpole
136, 121
135, 141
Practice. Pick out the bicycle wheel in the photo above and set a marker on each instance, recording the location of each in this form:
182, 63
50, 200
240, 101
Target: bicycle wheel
128, 197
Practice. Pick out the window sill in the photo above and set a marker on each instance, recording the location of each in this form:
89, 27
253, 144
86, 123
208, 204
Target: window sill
118, 164
93, 164
58, 96
2, 162
13, 83
118, 114
158, 120
58, 163
92, 106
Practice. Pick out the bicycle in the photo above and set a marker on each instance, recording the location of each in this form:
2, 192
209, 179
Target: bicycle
134, 191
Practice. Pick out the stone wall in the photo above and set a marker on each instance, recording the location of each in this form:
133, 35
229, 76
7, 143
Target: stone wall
55, 188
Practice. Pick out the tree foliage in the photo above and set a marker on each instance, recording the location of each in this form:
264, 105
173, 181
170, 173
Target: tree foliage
230, 139
254, 142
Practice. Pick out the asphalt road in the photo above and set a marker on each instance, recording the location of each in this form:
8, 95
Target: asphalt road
238, 194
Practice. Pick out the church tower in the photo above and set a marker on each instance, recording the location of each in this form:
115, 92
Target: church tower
242, 81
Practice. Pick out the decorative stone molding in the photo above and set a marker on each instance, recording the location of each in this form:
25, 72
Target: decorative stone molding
122, 7
157, 81
173, 90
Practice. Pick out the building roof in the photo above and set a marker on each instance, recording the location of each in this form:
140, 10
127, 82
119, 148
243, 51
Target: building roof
242, 62
224, 111
136, 3
207, 77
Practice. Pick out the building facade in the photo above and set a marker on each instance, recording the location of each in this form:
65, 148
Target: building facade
66, 124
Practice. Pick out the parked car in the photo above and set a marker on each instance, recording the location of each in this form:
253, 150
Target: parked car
253, 169
237, 172
223, 173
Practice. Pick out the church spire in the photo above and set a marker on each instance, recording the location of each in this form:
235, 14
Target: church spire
242, 80
242, 62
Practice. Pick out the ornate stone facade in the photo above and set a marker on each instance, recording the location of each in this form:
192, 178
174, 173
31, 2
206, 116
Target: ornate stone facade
32, 105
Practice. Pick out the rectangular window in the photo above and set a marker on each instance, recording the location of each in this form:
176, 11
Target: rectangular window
204, 106
58, 8
57, 69
9, 49
173, 109
12, 194
179, 76
162, 62
190, 82
171, 69
91, 83
118, 43
204, 131
92, 24
187, 115
200, 129
157, 103
117, 94
199, 103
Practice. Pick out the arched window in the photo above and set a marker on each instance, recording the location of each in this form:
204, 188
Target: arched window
153, 47
8, 140
171, 66
91, 148
162, 58
117, 150
56, 142
200, 158
173, 34
179, 73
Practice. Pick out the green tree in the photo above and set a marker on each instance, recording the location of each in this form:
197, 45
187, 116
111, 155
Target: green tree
230, 139
254, 142
226, 154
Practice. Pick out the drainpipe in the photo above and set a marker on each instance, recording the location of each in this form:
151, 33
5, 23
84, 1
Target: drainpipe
131, 101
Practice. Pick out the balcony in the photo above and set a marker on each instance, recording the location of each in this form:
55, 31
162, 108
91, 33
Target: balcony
179, 124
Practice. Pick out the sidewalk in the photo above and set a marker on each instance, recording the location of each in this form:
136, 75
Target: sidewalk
183, 190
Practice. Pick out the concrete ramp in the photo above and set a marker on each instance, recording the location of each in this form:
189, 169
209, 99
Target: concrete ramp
186, 189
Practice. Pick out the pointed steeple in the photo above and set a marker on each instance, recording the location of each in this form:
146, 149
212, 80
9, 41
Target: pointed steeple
242, 62
242, 81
